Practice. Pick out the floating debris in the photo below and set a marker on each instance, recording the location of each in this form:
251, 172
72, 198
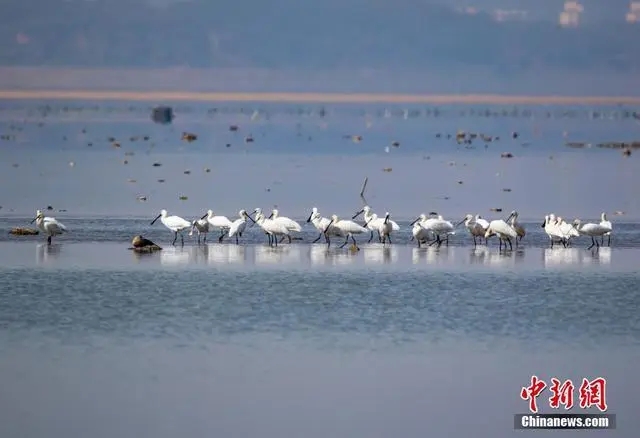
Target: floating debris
183, 198
23, 231
506, 190
16, 165
228, 145
111, 139
71, 164
131, 180
233, 128
187, 172
395, 144
161, 180
386, 149
497, 210
162, 115
189, 137
157, 164
506, 155
125, 161
207, 170
129, 154
387, 169
576, 144
460, 182
248, 139
354, 138
620, 145
142, 198
626, 152
49, 207
115, 144
619, 213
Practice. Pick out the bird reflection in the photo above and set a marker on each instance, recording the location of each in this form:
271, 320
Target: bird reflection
175, 255
561, 256
266, 255
376, 255
433, 255
226, 254
321, 255
601, 256
46, 253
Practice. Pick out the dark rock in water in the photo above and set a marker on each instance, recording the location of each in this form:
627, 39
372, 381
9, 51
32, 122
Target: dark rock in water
140, 244
162, 115
22, 231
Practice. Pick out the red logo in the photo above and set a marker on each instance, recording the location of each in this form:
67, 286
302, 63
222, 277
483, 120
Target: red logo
591, 392
532, 392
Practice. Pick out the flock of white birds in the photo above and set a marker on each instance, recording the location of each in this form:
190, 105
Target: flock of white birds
426, 229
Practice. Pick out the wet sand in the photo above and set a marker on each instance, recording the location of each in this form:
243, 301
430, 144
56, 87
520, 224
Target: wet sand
294, 97
303, 257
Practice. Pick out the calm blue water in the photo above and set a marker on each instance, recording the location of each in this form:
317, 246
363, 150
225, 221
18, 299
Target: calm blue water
304, 340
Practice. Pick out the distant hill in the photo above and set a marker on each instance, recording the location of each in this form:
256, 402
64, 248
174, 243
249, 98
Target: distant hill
294, 34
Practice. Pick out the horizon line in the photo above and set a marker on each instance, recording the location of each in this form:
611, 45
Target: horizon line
315, 97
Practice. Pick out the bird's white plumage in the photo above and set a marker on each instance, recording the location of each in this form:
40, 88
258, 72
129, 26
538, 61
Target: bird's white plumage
513, 221
289, 223
238, 226
503, 230
605, 223
343, 227
219, 222
321, 223
174, 223
270, 226
482, 222
49, 225
591, 229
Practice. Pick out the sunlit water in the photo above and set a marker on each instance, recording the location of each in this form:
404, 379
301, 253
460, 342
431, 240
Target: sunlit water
305, 340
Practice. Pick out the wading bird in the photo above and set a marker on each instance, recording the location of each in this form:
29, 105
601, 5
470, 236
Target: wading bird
503, 230
343, 228
592, 230
174, 223
48, 225
605, 223
321, 223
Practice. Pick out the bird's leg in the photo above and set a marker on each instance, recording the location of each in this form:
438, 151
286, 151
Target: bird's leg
289, 236
275, 240
447, 240
500, 244
237, 243
389, 237
593, 243
326, 238
345, 242
182, 239
319, 237
175, 238
597, 244
510, 246
371, 237
354, 242
474, 241
49, 240
602, 239
609, 240
205, 238
282, 240
380, 237
551, 243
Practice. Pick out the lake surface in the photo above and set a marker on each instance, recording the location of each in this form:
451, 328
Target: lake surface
304, 340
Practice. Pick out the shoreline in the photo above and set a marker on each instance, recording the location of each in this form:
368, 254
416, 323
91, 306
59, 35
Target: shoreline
316, 97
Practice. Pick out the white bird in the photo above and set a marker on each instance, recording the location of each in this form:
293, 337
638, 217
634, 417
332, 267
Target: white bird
420, 233
567, 230
384, 228
482, 222
344, 228
475, 229
321, 223
221, 223
174, 223
372, 222
552, 230
289, 223
605, 223
238, 226
48, 225
439, 226
272, 228
513, 221
592, 230
202, 227
503, 230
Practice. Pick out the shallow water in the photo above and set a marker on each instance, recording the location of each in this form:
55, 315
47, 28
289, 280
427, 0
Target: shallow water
305, 340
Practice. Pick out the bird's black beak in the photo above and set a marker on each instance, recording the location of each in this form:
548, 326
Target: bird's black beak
270, 216
309, 219
327, 229
412, 223
460, 223
249, 216
154, 221
543, 224
357, 214
33, 220
508, 217
386, 219
205, 215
